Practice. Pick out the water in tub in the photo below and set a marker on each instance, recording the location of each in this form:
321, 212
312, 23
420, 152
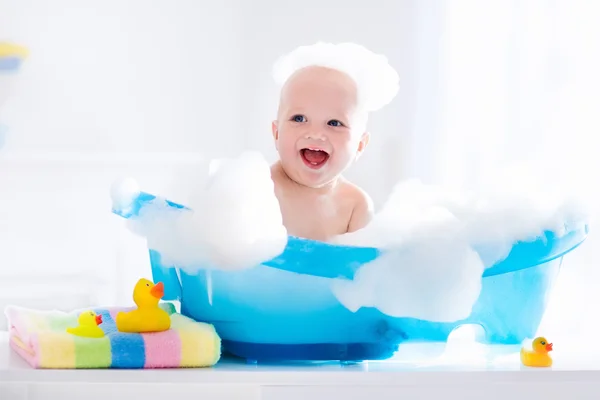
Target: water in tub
438, 241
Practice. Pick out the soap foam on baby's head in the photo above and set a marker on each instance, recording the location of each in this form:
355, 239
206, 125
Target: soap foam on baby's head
376, 80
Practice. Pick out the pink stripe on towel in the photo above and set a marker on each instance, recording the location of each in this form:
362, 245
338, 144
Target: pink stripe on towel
163, 349
32, 352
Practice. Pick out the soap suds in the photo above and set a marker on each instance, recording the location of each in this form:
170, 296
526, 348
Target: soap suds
437, 242
233, 223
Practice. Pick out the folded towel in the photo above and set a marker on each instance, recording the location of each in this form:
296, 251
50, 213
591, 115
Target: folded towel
40, 337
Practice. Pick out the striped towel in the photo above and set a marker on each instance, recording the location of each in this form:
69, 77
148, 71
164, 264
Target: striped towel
40, 337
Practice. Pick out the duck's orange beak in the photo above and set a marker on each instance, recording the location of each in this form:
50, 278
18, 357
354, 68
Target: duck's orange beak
98, 319
549, 347
158, 290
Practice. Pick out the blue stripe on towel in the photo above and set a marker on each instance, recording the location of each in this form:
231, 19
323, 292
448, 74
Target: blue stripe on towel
127, 349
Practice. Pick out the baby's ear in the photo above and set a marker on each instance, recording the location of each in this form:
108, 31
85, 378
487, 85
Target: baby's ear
362, 145
275, 130
275, 133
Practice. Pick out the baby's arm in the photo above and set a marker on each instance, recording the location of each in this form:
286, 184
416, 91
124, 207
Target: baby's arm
362, 212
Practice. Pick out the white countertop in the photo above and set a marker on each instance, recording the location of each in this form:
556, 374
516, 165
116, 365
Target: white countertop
468, 376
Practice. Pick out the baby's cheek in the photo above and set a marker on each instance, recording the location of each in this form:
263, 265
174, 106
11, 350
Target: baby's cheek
287, 151
345, 140
283, 143
289, 147
347, 147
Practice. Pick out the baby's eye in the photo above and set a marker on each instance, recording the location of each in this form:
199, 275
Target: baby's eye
299, 118
334, 122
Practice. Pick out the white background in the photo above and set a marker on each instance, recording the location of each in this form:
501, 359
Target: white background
152, 89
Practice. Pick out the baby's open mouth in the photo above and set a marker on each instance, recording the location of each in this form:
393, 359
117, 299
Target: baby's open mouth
314, 158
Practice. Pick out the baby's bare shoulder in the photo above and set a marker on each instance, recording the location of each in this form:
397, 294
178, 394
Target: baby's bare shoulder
355, 193
362, 206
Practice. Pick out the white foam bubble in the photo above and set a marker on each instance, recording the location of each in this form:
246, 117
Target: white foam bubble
438, 241
434, 274
236, 221
122, 192
377, 81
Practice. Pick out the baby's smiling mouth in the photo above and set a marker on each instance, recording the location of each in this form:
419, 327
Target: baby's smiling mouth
314, 158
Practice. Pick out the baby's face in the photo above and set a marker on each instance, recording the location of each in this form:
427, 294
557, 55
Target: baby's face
319, 131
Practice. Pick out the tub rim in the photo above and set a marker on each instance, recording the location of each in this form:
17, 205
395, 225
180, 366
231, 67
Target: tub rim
523, 254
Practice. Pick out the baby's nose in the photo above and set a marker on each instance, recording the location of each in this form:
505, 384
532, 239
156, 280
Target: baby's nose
316, 135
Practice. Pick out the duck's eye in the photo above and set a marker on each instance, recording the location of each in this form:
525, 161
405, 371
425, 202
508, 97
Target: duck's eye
543, 343
299, 118
147, 284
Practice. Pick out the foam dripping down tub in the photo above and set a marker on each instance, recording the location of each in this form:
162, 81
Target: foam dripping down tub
284, 309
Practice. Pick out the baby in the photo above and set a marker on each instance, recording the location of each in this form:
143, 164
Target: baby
326, 93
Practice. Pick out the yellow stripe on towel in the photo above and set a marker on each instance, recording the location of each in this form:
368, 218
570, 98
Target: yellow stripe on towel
57, 350
200, 345
56, 347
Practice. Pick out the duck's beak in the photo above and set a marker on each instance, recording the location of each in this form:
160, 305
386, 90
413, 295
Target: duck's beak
158, 290
98, 319
549, 347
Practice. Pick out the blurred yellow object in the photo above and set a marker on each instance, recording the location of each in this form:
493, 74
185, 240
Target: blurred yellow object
12, 50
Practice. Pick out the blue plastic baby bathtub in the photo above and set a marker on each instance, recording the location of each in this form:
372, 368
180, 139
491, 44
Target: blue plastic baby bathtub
285, 310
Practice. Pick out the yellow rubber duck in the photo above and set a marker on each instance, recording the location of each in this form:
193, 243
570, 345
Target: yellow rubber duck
148, 317
539, 356
88, 325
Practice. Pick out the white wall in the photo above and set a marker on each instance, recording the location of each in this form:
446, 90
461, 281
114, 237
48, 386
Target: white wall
134, 76
138, 88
